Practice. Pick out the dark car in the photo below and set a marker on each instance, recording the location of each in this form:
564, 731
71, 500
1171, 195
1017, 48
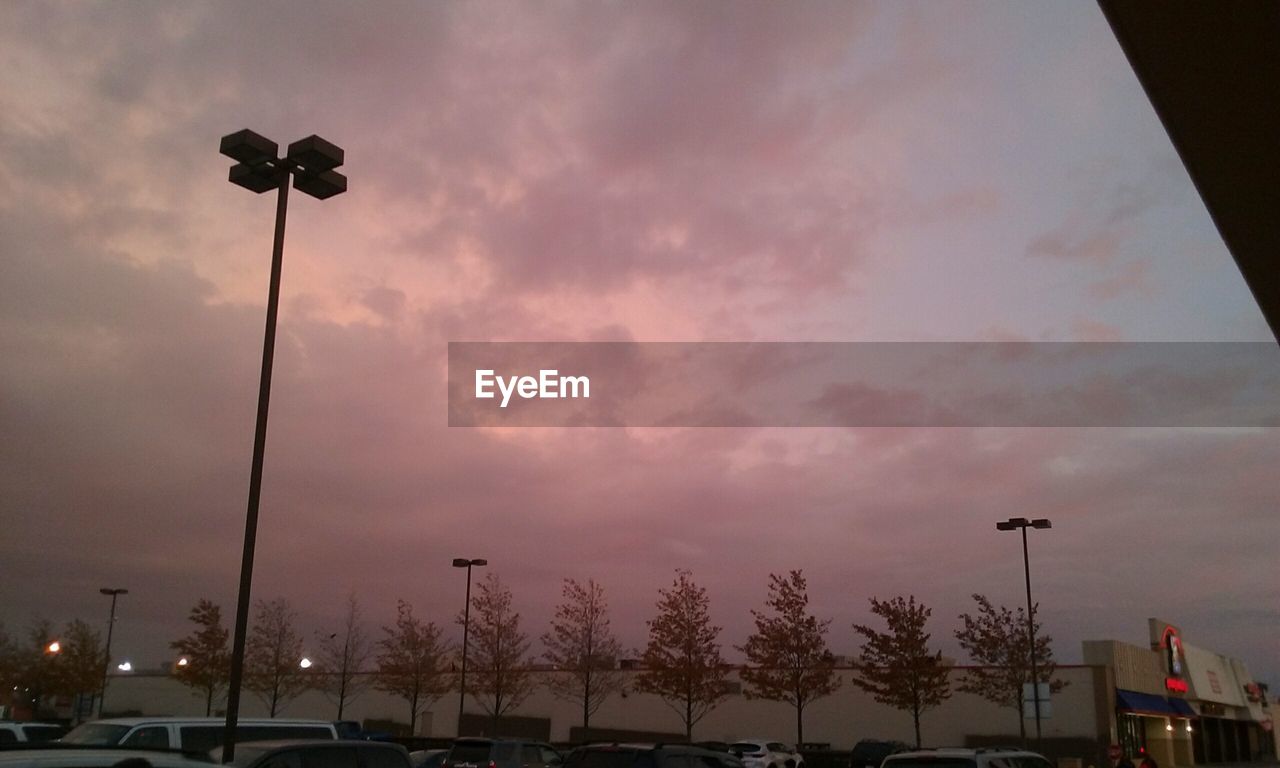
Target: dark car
475, 752
649, 756
318, 754
870, 753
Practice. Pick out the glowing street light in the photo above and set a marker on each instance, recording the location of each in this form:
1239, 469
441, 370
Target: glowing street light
53, 647
305, 663
310, 162
184, 661
124, 666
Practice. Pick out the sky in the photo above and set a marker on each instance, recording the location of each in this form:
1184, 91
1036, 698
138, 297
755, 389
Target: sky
571, 171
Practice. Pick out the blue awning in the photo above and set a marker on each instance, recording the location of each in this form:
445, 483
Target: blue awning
1150, 704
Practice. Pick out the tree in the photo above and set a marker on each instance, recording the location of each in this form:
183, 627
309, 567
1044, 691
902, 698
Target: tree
342, 655
204, 651
682, 659
37, 666
896, 666
996, 639
787, 654
411, 663
271, 655
583, 649
81, 661
501, 650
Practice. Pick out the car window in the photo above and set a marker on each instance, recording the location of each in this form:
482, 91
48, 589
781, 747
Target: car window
469, 752
381, 758
42, 733
148, 737
96, 733
503, 751
775, 746
530, 754
200, 738
329, 757
549, 755
608, 758
7, 736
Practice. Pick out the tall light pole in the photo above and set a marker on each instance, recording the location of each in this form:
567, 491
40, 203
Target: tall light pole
462, 562
111, 624
310, 163
1022, 523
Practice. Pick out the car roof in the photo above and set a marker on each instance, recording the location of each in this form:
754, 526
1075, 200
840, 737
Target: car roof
963, 752
131, 721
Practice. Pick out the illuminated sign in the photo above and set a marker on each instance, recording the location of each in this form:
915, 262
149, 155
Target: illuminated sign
1172, 645
1175, 685
1253, 692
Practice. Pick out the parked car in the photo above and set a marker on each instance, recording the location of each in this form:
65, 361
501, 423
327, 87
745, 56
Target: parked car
988, 757
311, 753
870, 753
15, 732
475, 752
428, 758
54, 755
649, 756
193, 734
758, 753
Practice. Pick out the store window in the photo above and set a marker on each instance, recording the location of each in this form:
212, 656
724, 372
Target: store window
1133, 734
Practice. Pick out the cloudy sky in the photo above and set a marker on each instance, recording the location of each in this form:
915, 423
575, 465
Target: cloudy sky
606, 171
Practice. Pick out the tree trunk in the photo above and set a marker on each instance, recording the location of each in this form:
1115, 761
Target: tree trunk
208, 702
799, 726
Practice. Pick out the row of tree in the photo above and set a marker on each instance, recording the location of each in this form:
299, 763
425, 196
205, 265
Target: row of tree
787, 655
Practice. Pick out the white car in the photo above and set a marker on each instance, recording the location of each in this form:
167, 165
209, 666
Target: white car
70, 757
991, 757
766, 754
14, 732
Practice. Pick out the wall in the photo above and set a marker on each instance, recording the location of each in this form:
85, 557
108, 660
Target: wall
840, 720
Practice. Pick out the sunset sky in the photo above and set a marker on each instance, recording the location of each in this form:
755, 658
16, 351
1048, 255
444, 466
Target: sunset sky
562, 171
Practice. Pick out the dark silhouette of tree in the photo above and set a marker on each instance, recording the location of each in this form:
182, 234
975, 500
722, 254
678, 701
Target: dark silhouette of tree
897, 667
411, 663
208, 661
996, 639
498, 650
342, 655
787, 655
582, 647
682, 661
81, 662
271, 655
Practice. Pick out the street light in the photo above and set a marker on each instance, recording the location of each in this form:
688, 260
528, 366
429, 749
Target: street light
462, 562
310, 162
1022, 523
111, 625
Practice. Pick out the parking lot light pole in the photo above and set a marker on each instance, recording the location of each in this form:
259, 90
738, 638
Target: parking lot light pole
1022, 523
309, 163
106, 661
462, 562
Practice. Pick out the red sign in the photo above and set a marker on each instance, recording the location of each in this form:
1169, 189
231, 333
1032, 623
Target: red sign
1115, 751
1175, 685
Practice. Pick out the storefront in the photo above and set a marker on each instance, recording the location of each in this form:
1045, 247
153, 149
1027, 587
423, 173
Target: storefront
1181, 704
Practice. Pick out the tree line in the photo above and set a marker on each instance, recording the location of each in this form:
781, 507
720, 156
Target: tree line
787, 655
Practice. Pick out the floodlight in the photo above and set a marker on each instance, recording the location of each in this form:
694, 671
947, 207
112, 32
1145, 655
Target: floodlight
321, 185
315, 155
249, 147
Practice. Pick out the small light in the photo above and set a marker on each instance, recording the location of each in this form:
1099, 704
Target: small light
305, 663
1168, 726
184, 661
1188, 727
54, 647
124, 666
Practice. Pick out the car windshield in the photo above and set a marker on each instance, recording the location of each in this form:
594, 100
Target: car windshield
608, 758
469, 752
96, 733
746, 747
